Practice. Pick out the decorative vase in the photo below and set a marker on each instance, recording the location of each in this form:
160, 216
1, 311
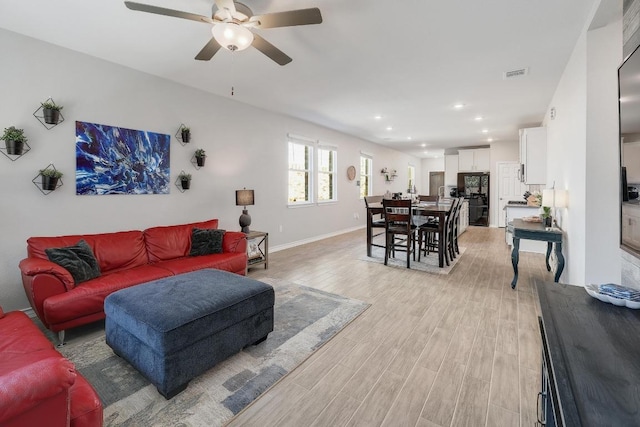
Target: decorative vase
547, 221
200, 161
49, 183
186, 184
186, 136
14, 147
51, 117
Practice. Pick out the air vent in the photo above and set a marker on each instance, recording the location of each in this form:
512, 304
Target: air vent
515, 73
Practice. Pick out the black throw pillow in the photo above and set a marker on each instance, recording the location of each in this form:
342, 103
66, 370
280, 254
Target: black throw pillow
78, 260
206, 241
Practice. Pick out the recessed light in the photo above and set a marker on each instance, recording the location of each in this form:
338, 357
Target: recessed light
489, 139
485, 130
423, 145
458, 106
378, 117
426, 152
389, 128
478, 118
409, 138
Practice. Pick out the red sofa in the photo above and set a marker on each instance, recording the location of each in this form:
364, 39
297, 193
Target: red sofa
39, 387
126, 259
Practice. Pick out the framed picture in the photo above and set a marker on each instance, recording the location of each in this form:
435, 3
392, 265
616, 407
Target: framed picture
113, 160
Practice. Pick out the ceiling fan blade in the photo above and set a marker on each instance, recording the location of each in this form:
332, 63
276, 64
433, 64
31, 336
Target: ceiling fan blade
208, 50
288, 19
167, 12
226, 5
270, 50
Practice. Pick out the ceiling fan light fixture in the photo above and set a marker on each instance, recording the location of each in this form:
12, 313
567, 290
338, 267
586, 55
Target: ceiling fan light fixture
232, 36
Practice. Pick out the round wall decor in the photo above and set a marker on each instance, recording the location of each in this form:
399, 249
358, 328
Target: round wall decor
351, 173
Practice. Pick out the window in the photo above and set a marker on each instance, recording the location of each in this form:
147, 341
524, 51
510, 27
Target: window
327, 158
412, 178
366, 166
300, 164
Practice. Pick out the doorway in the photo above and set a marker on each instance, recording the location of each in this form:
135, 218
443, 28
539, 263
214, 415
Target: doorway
509, 188
436, 180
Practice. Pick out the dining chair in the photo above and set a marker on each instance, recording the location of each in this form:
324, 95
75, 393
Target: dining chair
457, 225
430, 234
452, 229
398, 222
377, 221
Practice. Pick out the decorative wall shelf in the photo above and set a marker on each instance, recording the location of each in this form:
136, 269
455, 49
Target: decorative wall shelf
13, 157
182, 137
389, 174
39, 114
37, 181
179, 182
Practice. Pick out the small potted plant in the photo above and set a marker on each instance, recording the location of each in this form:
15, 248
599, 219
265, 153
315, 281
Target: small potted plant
186, 134
546, 216
14, 140
50, 178
200, 157
51, 112
185, 180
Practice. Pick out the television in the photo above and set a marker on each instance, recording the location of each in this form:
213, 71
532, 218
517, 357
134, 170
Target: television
629, 125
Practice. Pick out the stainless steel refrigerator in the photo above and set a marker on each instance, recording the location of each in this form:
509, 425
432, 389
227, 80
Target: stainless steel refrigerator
474, 186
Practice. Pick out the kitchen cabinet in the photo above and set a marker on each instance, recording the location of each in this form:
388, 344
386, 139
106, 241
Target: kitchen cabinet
451, 170
631, 225
475, 160
533, 155
464, 217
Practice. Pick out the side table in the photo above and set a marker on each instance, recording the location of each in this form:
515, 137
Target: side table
257, 249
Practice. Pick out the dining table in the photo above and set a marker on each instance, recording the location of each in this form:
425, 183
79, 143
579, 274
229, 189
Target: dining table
421, 212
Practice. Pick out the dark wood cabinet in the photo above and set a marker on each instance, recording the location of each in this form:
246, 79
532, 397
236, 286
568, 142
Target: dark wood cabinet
590, 360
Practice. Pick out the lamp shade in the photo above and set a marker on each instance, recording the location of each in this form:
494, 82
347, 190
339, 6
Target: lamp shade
547, 197
244, 197
553, 198
232, 36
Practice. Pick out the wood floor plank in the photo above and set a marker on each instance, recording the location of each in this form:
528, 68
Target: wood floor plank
436, 349
481, 364
529, 387
337, 413
443, 397
498, 416
407, 407
507, 337
471, 409
505, 389
374, 408
461, 344
529, 343
364, 379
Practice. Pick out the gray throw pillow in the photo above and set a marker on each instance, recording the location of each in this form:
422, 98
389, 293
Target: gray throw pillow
78, 260
206, 241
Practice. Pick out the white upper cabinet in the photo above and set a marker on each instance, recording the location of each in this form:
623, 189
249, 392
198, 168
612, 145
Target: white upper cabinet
533, 155
476, 160
451, 170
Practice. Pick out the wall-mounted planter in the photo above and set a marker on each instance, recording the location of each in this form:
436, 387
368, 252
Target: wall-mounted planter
49, 114
48, 179
183, 135
200, 161
15, 143
183, 182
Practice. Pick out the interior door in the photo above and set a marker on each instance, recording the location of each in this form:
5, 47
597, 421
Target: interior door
509, 187
436, 180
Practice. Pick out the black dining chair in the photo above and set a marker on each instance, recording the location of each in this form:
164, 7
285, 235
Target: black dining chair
397, 217
376, 221
429, 233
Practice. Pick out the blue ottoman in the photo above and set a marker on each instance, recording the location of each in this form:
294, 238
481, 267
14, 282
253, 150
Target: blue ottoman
176, 328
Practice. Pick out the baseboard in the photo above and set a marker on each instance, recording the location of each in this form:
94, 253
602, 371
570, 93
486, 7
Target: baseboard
313, 239
29, 312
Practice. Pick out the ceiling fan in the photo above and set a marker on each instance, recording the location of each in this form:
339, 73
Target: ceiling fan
232, 22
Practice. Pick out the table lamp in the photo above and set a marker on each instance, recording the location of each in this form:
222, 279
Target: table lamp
553, 199
244, 198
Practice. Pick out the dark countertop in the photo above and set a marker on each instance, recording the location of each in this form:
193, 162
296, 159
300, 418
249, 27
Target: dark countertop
595, 356
509, 205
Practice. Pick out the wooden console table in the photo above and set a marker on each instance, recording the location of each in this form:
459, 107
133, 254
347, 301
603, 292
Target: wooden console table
535, 231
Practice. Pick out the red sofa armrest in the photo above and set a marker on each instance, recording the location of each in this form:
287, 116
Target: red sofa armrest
34, 266
29, 387
234, 241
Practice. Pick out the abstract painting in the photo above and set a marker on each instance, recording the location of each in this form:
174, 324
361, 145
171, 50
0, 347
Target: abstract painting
113, 160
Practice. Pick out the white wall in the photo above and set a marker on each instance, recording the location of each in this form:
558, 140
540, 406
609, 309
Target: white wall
582, 156
430, 165
246, 147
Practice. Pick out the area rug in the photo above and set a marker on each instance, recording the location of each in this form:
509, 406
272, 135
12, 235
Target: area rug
305, 319
428, 264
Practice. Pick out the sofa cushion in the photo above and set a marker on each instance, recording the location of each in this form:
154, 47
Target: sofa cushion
77, 259
173, 241
20, 335
114, 251
228, 261
206, 242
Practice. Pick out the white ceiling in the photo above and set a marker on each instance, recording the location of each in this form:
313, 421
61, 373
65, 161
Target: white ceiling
409, 61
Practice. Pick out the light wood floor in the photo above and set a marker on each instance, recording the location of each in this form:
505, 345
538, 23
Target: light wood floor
432, 350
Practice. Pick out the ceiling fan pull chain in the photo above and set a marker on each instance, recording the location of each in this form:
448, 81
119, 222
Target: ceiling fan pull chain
233, 68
